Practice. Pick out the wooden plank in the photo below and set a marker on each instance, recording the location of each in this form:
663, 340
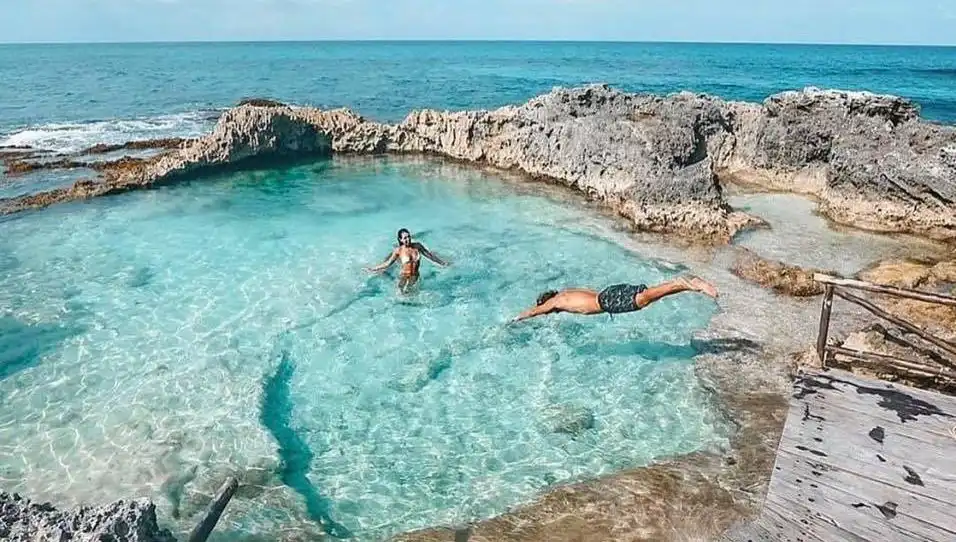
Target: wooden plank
861, 460
834, 492
935, 341
902, 447
929, 297
878, 400
782, 527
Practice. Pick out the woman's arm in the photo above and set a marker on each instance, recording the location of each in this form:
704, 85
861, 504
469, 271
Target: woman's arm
384, 265
427, 253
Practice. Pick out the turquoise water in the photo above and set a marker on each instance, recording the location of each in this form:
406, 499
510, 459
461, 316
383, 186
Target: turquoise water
156, 341
153, 343
69, 96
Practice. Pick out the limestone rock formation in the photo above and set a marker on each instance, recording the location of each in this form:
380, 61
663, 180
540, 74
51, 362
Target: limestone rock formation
646, 156
122, 521
868, 158
780, 277
243, 135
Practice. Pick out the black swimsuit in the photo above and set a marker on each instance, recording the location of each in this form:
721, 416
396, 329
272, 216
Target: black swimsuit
619, 298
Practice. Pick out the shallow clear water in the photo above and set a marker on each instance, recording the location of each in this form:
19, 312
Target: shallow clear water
800, 236
156, 341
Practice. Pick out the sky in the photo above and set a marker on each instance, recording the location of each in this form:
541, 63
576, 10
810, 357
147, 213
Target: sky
930, 22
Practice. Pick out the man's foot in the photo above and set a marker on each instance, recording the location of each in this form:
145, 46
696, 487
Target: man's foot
698, 284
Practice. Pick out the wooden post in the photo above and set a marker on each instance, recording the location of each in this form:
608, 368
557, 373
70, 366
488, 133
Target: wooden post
824, 332
205, 527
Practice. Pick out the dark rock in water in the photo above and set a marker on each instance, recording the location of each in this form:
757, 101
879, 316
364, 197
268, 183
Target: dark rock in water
122, 521
260, 102
568, 419
139, 144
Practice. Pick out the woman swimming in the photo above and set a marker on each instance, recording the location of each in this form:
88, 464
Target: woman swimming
410, 254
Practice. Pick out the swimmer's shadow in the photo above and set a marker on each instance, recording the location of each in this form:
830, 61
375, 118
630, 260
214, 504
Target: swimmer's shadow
658, 350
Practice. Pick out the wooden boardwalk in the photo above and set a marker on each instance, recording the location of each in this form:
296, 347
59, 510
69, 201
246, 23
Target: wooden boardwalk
860, 460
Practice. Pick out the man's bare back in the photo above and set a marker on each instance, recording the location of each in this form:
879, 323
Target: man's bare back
615, 299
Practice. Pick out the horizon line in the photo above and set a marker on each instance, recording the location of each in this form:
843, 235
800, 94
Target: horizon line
479, 40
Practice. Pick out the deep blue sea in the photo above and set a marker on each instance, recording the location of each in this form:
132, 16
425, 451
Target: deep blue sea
176, 85
155, 342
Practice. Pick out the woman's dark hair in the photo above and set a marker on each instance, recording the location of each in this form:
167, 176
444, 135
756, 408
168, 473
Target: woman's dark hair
543, 298
400, 232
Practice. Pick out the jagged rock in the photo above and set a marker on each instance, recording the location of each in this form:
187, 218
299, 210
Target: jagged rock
351, 133
19, 166
780, 277
246, 135
646, 156
122, 521
867, 157
906, 273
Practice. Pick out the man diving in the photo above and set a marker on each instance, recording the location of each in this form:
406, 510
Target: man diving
615, 299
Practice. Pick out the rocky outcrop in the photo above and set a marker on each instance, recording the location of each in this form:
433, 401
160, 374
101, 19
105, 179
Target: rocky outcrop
646, 156
122, 521
246, 135
780, 277
869, 159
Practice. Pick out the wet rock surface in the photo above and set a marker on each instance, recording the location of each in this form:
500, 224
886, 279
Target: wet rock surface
122, 521
780, 277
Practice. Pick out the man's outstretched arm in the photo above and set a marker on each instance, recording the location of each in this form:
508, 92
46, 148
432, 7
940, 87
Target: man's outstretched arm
545, 308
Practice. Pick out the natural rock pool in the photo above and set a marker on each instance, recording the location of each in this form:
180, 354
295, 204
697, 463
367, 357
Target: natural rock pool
155, 342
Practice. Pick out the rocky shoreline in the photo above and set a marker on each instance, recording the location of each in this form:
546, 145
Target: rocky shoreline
134, 521
660, 162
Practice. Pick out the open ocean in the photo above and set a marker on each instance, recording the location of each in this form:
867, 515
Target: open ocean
66, 96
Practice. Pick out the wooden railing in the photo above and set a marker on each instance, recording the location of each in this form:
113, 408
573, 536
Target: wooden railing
838, 287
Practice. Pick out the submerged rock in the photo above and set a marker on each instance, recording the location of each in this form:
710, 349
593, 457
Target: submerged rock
780, 277
122, 521
568, 419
